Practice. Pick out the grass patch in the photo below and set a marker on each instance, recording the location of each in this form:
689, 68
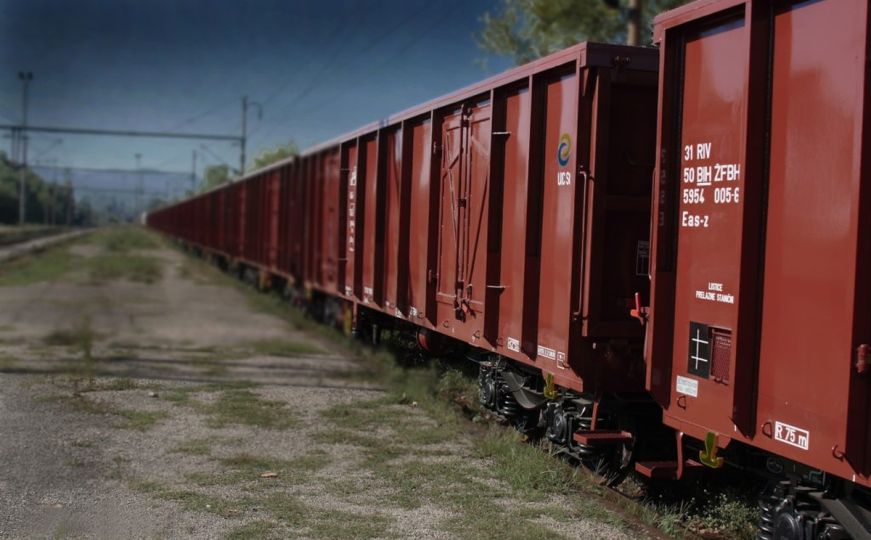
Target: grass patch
530, 472
129, 418
243, 468
183, 395
124, 238
50, 264
7, 362
115, 261
256, 529
112, 266
284, 348
350, 525
139, 420
12, 234
242, 406
194, 447
280, 508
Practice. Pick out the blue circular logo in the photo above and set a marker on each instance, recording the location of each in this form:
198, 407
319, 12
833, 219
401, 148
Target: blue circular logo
564, 150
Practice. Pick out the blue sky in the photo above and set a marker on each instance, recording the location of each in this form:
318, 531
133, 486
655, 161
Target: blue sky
319, 68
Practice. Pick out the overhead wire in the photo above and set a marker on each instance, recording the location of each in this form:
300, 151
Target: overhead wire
403, 50
330, 67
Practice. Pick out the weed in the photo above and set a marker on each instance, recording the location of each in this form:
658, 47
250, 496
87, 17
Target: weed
194, 447
130, 419
285, 508
74, 462
247, 408
285, 348
48, 265
247, 468
121, 239
349, 525
116, 266
529, 471
255, 529
139, 420
7, 362
79, 443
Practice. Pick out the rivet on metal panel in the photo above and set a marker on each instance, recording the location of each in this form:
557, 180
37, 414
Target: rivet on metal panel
837, 453
767, 429
682, 402
445, 323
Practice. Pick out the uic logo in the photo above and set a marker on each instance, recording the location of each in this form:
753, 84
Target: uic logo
564, 150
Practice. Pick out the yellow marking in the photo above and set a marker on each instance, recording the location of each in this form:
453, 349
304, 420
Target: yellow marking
709, 456
349, 321
549, 388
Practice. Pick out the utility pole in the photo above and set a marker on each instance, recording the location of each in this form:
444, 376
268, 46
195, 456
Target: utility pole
71, 203
243, 139
194, 171
138, 208
25, 77
633, 22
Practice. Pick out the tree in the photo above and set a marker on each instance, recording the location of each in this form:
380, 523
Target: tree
529, 29
272, 155
214, 176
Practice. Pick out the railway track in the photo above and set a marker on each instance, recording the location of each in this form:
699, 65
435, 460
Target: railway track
17, 249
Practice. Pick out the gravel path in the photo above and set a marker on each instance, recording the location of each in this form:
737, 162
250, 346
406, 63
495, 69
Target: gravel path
175, 409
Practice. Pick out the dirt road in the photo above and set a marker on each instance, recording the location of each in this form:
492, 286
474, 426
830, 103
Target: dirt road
144, 395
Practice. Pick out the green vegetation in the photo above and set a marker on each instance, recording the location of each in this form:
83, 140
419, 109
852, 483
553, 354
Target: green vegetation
11, 234
240, 406
48, 265
112, 261
281, 509
45, 202
529, 29
275, 154
245, 468
284, 347
124, 238
127, 418
255, 529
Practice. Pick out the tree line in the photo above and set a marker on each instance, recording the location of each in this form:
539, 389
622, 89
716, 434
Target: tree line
46, 202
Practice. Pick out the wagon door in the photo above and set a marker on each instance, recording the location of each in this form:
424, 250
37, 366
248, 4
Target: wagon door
463, 219
808, 337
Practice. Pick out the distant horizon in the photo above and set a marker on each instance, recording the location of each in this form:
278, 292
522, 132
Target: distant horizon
183, 67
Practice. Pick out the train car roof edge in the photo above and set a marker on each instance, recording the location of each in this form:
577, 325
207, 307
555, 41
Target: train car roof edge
590, 53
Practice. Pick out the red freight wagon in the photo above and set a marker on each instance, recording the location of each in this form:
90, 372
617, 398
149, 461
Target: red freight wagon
761, 251
512, 216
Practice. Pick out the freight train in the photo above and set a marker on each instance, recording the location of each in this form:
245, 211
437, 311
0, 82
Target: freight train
658, 257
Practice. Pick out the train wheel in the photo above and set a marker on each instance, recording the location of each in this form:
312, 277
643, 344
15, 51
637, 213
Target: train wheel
788, 512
